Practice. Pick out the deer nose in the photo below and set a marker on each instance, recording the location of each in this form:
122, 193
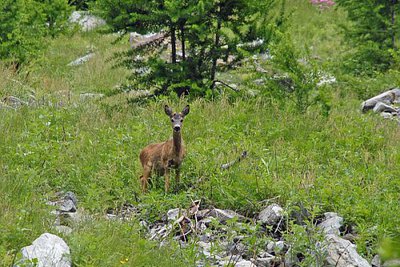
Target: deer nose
177, 128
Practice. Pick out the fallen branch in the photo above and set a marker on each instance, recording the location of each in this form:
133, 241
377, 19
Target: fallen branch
229, 164
223, 83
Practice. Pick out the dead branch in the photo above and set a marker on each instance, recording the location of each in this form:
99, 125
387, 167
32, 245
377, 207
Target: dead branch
230, 164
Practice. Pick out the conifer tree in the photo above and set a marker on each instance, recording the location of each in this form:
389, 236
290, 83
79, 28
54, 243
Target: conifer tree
204, 30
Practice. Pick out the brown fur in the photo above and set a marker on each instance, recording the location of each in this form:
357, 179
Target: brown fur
161, 157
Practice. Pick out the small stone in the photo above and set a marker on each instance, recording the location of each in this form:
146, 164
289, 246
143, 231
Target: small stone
205, 248
174, 214
245, 263
224, 215
205, 237
237, 249
332, 223
387, 115
271, 215
265, 261
67, 206
376, 261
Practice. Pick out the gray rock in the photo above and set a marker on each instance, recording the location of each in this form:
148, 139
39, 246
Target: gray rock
87, 21
382, 107
376, 261
387, 115
48, 250
71, 196
342, 253
388, 97
224, 215
271, 215
230, 260
207, 237
236, 248
81, 60
245, 263
67, 206
265, 259
205, 248
174, 214
332, 223
160, 231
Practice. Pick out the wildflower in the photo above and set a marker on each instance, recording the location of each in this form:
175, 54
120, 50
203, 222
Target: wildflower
322, 4
123, 261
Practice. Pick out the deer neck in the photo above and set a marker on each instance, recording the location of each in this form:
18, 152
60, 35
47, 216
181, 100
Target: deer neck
177, 142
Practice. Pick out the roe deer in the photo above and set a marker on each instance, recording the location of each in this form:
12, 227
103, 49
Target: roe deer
161, 157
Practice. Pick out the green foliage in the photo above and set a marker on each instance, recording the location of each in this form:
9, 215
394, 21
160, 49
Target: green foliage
296, 77
24, 24
374, 31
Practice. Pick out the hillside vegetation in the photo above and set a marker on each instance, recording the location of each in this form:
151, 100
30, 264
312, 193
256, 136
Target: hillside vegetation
330, 157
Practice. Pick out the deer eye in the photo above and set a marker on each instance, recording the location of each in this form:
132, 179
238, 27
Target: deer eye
181, 120
172, 120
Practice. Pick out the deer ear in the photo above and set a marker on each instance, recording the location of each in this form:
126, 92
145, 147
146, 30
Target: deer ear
168, 110
185, 110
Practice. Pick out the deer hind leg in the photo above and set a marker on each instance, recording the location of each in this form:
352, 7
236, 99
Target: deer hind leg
145, 177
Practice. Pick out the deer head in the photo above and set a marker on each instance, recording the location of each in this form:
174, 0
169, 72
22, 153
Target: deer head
176, 118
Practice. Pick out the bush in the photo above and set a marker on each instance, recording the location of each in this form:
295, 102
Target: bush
24, 24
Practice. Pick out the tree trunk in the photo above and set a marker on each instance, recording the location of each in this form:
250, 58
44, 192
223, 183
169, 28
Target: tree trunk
216, 47
173, 43
393, 21
182, 29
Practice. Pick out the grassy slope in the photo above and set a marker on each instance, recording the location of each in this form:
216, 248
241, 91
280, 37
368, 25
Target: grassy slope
345, 163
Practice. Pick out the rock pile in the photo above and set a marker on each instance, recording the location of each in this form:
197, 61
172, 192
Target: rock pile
385, 104
221, 237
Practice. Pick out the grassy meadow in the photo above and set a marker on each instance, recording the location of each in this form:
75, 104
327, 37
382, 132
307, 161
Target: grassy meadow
346, 162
